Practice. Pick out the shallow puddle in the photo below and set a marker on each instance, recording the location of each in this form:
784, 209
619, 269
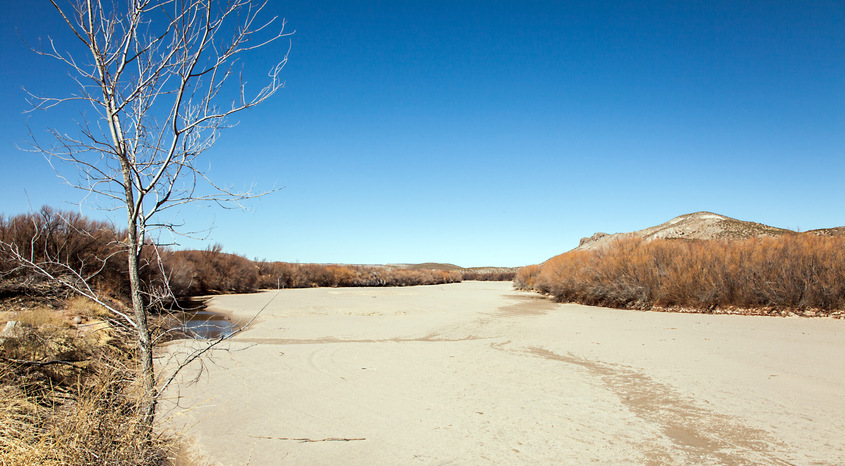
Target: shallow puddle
205, 325
201, 324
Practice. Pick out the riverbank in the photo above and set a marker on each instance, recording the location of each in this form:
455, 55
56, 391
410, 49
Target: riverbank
477, 372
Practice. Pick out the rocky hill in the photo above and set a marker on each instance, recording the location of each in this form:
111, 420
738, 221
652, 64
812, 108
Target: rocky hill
837, 231
700, 226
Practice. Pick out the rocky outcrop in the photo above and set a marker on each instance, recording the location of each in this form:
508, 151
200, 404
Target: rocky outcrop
698, 226
592, 239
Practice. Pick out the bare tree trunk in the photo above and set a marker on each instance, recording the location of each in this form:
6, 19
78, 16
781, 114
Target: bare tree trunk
145, 345
153, 71
135, 244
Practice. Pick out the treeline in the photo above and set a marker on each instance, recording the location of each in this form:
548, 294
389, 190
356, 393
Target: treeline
802, 273
210, 271
73, 247
489, 276
289, 275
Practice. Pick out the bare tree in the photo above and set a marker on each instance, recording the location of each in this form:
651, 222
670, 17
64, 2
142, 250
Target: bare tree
155, 73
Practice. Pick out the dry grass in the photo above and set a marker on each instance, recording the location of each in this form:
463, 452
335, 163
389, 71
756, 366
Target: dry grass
40, 317
61, 428
84, 307
68, 398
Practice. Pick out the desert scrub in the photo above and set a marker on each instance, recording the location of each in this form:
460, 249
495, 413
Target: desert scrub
790, 272
60, 241
68, 398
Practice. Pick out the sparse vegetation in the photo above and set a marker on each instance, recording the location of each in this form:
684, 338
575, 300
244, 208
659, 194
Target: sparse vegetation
287, 275
502, 276
767, 275
93, 249
68, 390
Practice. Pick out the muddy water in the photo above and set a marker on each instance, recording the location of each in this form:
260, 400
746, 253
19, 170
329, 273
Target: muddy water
199, 323
206, 325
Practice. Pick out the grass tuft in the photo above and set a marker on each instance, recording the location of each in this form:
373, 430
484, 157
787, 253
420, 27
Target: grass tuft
66, 398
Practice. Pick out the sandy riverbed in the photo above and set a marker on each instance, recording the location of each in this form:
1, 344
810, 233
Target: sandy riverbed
478, 373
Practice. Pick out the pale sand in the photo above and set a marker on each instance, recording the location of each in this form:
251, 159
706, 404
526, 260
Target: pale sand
478, 373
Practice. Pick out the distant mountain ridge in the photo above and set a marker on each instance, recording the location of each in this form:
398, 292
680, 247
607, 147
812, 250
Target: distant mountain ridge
700, 226
452, 268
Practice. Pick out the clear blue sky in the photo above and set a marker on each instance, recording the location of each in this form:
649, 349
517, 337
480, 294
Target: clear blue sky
496, 132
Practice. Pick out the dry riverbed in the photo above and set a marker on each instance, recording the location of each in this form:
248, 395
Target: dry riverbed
477, 373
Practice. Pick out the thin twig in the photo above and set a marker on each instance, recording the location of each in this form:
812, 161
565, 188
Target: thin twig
50, 362
309, 440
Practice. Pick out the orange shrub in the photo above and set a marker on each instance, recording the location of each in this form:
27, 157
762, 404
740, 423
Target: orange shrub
526, 277
792, 271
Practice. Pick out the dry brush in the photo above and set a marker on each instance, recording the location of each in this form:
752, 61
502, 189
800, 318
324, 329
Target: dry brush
791, 273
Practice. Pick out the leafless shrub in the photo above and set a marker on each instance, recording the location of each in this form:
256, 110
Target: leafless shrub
790, 272
63, 241
208, 271
287, 275
489, 276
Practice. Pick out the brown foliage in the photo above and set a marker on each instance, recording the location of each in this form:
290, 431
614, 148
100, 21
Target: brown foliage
199, 272
62, 240
488, 276
97, 250
798, 272
526, 277
289, 275
90, 247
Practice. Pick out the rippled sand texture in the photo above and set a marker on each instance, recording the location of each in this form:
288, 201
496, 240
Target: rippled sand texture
477, 373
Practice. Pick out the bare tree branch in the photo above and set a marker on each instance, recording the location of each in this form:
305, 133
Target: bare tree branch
199, 352
154, 73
